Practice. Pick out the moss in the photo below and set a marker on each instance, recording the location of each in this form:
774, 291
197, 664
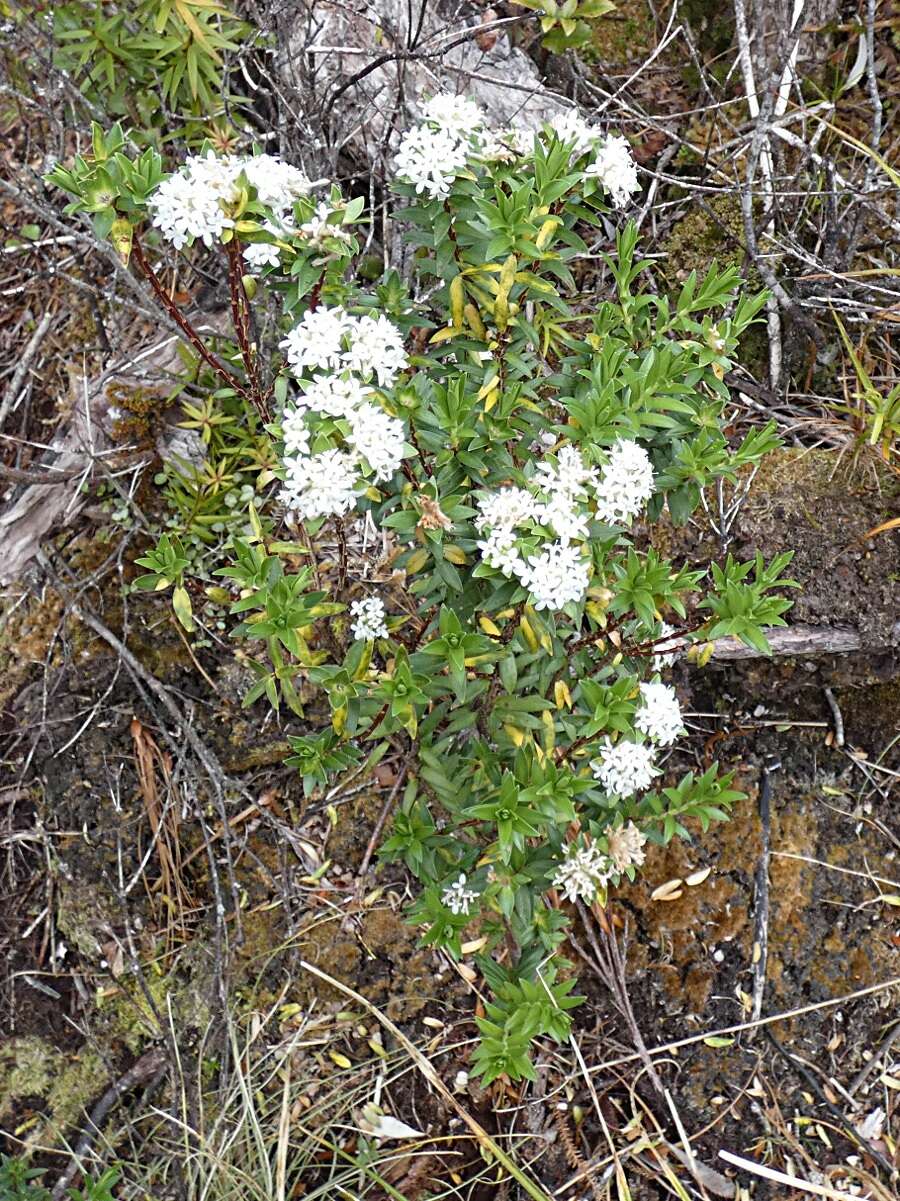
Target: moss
29, 1065
713, 230
141, 409
34, 1070
25, 638
125, 1016
623, 36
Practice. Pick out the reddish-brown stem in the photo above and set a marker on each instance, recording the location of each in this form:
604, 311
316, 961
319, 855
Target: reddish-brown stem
182, 322
240, 317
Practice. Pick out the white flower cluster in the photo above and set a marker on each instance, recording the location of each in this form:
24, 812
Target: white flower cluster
318, 227
626, 483
339, 341
671, 645
457, 897
570, 126
625, 768
370, 619
320, 485
563, 496
659, 714
196, 201
586, 869
583, 872
354, 350
612, 166
628, 766
615, 168
557, 575
432, 153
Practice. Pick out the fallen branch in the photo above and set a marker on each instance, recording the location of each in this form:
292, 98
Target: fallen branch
809, 640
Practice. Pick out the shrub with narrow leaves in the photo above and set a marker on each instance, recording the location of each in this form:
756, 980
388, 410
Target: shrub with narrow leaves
515, 437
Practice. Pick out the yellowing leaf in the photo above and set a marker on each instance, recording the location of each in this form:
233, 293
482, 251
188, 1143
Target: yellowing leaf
455, 554
488, 626
444, 334
181, 603
562, 695
545, 233
549, 730
515, 735
701, 653
488, 386
417, 561
473, 947
476, 324
121, 234
505, 283
341, 1060
530, 638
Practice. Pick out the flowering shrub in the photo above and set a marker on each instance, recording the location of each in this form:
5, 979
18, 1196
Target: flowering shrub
507, 430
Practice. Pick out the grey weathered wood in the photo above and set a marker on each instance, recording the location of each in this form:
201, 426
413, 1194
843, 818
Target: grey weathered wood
800, 640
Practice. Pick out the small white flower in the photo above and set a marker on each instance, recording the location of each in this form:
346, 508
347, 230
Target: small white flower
615, 168
505, 509
261, 254
295, 433
370, 619
336, 395
659, 714
626, 847
320, 485
569, 475
457, 897
318, 339
499, 550
377, 437
563, 517
458, 115
559, 574
667, 655
625, 768
277, 183
626, 483
430, 159
376, 348
318, 227
582, 873
570, 126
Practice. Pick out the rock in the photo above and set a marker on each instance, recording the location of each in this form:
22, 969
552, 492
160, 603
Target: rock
364, 99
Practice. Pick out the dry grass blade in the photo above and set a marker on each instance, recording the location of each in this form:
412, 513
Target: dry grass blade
804, 1186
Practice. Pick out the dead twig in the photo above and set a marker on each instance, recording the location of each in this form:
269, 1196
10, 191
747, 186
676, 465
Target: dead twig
11, 394
150, 1065
761, 892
